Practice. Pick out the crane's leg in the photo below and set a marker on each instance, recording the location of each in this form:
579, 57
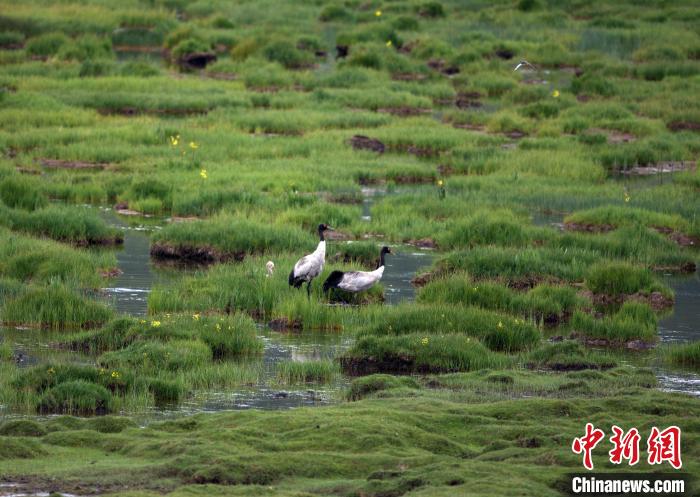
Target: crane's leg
308, 289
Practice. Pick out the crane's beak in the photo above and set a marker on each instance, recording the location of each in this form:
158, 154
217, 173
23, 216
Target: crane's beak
329, 228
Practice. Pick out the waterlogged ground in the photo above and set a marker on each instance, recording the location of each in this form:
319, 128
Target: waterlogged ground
543, 222
128, 293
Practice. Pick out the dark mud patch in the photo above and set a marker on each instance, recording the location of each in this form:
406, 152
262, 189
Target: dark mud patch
285, 324
196, 60
194, 254
72, 164
655, 300
338, 236
423, 279
135, 111
28, 170
614, 137
589, 227
442, 67
404, 111
470, 127
680, 238
408, 76
412, 179
424, 243
391, 364
613, 344
112, 272
684, 126
361, 142
40, 485
117, 239
468, 101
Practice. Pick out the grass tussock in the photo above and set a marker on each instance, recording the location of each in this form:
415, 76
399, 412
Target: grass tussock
683, 355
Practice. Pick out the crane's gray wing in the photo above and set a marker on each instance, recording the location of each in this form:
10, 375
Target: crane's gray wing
357, 281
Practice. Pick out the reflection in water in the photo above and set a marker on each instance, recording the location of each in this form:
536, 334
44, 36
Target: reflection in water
129, 291
684, 323
400, 269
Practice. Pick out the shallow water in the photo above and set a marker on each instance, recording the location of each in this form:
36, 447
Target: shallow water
129, 291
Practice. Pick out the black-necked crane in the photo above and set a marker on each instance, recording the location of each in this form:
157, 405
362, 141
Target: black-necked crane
356, 281
311, 265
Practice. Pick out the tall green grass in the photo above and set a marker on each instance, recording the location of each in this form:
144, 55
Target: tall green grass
293, 372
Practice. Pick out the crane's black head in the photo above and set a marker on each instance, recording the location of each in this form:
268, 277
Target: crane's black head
385, 250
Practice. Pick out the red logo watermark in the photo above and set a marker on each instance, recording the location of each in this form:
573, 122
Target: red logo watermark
662, 446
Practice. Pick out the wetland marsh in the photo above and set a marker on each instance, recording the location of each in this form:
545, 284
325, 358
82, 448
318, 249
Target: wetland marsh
543, 223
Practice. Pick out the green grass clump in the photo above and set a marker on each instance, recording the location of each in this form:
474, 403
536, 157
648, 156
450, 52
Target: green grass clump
684, 355
76, 397
151, 356
518, 266
22, 428
548, 302
229, 236
20, 193
31, 260
485, 228
79, 226
420, 353
567, 356
634, 321
619, 278
292, 372
54, 307
498, 331
373, 385
618, 216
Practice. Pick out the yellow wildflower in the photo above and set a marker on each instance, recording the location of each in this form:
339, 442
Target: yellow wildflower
51, 371
389, 43
378, 13
440, 182
218, 327
203, 174
115, 374
174, 140
424, 341
627, 197
194, 146
555, 93
155, 324
195, 316
142, 321
500, 325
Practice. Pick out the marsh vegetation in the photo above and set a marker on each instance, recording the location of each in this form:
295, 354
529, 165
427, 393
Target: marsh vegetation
224, 133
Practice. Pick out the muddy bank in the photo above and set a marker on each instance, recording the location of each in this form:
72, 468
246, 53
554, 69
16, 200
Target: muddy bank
128, 111
71, 164
404, 111
613, 344
655, 300
362, 366
361, 142
195, 254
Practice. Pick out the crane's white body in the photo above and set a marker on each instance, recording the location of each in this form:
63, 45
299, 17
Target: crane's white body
311, 265
359, 281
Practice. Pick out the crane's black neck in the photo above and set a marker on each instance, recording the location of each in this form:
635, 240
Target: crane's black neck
320, 235
381, 259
